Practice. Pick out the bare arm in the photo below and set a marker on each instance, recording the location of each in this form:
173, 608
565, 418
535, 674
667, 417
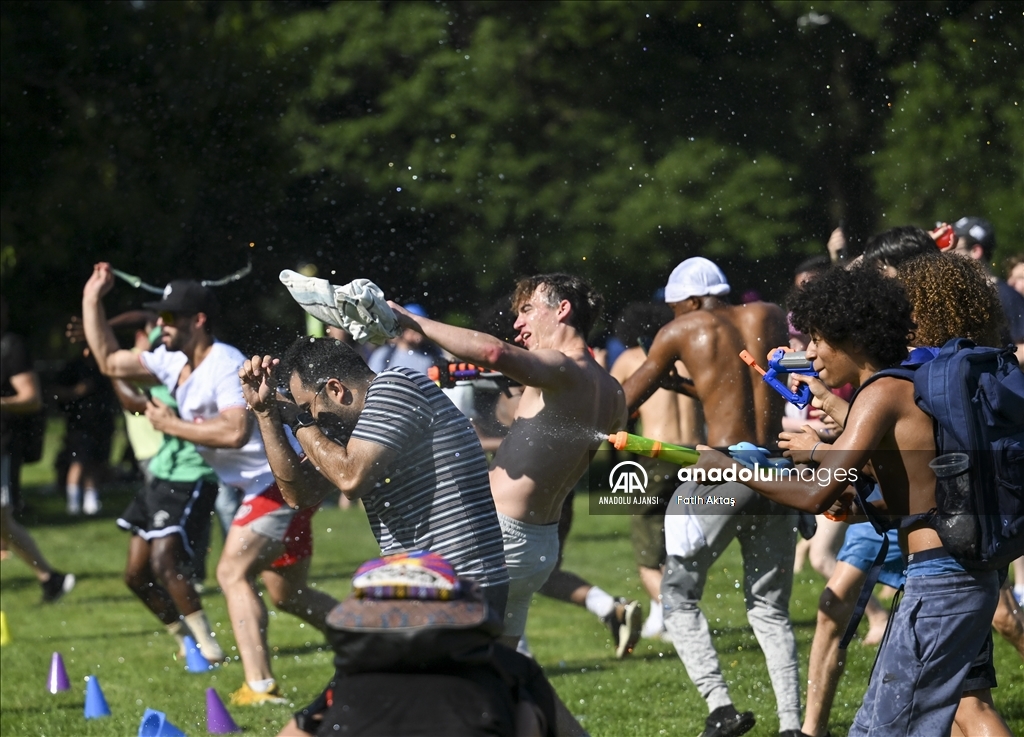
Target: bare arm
130, 398
354, 468
542, 368
26, 397
300, 483
230, 429
112, 360
822, 398
660, 362
872, 416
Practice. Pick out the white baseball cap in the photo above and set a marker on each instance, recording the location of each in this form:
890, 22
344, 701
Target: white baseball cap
695, 277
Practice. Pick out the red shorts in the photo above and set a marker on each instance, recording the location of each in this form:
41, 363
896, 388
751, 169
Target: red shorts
269, 516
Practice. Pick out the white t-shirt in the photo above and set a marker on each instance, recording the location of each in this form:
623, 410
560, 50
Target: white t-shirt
209, 390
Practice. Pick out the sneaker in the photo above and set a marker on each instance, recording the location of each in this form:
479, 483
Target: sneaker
523, 648
625, 621
56, 586
725, 721
91, 505
245, 696
211, 651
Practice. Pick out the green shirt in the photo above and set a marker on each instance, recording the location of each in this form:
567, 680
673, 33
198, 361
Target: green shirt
177, 459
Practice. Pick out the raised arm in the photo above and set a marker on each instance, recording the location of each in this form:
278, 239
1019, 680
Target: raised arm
656, 370
354, 468
540, 368
111, 359
300, 483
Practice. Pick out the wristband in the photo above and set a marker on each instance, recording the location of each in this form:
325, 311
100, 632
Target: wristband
814, 448
302, 419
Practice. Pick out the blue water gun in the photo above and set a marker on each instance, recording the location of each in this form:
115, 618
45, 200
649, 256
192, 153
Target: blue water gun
785, 361
747, 454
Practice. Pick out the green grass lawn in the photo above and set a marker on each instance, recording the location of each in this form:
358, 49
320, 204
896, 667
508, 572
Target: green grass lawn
101, 629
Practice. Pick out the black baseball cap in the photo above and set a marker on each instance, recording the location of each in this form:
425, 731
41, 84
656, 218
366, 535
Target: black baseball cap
976, 230
186, 297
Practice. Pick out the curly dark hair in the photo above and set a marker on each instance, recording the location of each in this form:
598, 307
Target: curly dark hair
585, 300
640, 322
858, 306
316, 360
896, 245
952, 298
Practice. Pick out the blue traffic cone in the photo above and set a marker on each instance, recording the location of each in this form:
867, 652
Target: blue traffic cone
95, 701
154, 724
194, 660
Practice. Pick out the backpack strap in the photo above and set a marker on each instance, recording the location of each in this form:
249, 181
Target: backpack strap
865, 593
880, 525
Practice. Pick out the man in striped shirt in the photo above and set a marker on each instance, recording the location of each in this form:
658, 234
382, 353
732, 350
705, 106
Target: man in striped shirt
392, 439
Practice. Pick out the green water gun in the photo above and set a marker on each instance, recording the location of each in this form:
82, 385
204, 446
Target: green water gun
654, 448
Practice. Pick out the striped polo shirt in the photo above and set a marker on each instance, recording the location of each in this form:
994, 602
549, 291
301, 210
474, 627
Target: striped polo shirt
436, 495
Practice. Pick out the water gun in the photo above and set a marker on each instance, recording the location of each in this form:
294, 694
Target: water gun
654, 448
446, 375
785, 360
746, 454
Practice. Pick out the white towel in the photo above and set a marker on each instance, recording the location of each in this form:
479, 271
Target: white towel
683, 536
359, 307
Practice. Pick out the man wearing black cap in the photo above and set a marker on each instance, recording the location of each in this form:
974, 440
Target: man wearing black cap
267, 537
976, 238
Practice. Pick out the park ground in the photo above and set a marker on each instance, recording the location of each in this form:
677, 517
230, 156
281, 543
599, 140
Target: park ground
101, 629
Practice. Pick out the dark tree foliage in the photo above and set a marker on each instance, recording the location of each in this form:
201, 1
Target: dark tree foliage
443, 149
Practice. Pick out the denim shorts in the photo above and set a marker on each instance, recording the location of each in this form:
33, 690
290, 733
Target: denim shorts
861, 546
941, 625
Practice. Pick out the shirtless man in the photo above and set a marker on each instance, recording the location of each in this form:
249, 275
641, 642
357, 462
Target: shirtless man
568, 404
859, 323
707, 335
667, 416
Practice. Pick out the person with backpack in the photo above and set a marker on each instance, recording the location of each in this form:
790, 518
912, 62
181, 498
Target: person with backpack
860, 324
950, 298
417, 652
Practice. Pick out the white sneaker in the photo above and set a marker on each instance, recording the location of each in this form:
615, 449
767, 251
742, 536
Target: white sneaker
74, 504
91, 505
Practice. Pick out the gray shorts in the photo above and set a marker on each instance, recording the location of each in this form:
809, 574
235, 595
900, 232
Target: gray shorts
531, 553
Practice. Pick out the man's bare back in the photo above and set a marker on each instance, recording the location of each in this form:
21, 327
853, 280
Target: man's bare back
708, 339
548, 445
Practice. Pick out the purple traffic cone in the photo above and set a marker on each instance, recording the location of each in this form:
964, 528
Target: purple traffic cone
218, 720
58, 678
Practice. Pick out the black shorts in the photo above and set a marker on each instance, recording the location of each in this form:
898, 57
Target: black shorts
982, 674
170, 507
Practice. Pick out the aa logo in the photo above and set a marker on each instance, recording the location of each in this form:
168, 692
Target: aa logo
627, 480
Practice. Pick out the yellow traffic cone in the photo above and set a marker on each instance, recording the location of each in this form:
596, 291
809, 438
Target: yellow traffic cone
5, 634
